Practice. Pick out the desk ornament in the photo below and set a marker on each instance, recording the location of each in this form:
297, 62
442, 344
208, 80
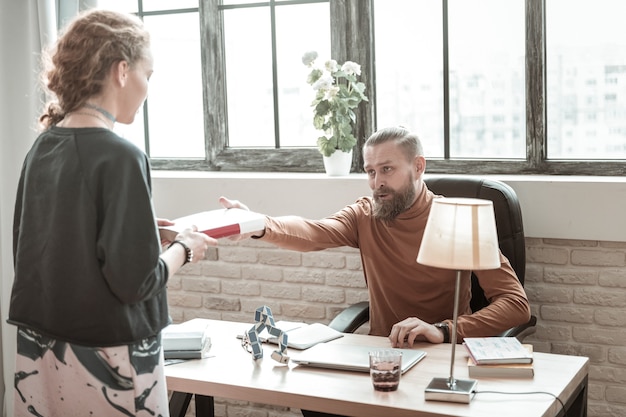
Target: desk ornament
252, 343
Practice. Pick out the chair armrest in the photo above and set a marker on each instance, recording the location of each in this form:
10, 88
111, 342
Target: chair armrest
522, 330
351, 318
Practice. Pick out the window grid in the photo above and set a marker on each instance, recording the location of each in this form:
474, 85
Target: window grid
354, 15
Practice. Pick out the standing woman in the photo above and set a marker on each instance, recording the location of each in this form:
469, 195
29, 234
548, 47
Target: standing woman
89, 297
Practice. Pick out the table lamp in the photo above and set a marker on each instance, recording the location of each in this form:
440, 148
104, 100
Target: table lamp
460, 234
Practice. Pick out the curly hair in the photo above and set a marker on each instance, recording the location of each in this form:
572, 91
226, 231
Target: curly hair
76, 68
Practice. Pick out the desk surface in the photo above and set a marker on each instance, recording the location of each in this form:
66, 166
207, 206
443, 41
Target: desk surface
232, 373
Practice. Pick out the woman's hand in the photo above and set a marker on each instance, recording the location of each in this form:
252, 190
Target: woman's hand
167, 236
196, 241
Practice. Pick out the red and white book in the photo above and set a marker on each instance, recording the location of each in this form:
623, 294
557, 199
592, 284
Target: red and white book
221, 222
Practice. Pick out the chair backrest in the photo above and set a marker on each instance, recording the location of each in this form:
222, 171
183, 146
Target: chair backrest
508, 216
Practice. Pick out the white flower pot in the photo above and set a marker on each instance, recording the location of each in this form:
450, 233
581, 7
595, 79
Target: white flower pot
338, 164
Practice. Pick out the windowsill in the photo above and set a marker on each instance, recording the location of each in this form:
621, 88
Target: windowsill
562, 207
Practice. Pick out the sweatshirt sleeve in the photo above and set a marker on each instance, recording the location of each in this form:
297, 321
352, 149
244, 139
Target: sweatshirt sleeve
128, 246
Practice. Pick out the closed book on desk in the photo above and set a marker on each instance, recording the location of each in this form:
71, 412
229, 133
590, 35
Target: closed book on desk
506, 370
192, 335
497, 350
189, 354
219, 223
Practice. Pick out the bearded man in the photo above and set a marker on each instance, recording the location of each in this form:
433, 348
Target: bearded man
408, 301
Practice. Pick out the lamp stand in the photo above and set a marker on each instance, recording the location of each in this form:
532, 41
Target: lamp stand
452, 389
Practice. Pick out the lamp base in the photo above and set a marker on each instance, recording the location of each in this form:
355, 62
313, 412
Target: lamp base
462, 391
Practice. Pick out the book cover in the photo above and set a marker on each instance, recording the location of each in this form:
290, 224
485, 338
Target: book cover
191, 335
220, 223
507, 370
189, 354
497, 350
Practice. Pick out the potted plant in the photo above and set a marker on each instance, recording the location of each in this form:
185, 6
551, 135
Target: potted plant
337, 94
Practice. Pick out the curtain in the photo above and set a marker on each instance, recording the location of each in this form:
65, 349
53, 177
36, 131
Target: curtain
25, 28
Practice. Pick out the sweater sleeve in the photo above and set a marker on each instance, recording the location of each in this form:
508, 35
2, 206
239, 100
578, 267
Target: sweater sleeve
508, 305
304, 235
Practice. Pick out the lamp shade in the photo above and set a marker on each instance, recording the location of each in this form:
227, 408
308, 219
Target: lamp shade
460, 234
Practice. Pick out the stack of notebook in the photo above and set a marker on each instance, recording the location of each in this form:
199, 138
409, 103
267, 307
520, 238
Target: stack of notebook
188, 340
499, 357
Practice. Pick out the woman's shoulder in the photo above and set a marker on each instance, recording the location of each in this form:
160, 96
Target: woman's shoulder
99, 143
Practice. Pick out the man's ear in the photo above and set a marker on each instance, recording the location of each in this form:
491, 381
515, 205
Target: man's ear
420, 164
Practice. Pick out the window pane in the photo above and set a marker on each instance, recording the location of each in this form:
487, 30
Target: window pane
586, 79
175, 112
153, 5
133, 132
487, 75
236, 2
299, 29
126, 6
249, 86
409, 64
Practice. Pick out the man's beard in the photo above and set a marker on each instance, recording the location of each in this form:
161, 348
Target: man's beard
400, 201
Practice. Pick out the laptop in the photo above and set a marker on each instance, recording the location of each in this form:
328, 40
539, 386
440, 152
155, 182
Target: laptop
350, 357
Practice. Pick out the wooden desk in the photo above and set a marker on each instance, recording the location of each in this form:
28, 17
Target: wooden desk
233, 374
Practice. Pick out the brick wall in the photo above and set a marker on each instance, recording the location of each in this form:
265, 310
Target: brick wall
577, 289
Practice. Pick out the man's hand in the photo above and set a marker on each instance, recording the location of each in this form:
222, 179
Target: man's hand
227, 203
412, 330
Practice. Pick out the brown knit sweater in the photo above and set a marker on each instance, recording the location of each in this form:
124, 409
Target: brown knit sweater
398, 286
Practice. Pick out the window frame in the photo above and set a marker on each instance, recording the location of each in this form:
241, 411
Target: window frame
352, 31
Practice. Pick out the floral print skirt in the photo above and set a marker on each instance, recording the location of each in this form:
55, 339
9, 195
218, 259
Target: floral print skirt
56, 378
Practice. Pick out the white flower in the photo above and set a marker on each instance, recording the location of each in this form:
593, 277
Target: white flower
331, 66
331, 93
350, 68
324, 83
309, 57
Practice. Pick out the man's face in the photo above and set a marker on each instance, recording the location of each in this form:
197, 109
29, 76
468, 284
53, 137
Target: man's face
389, 203
392, 179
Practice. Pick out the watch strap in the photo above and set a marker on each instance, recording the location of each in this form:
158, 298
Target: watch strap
445, 330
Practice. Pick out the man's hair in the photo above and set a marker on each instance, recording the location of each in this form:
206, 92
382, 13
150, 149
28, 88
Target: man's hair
408, 141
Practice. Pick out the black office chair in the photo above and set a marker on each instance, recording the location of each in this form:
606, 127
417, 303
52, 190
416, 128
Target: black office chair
508, 216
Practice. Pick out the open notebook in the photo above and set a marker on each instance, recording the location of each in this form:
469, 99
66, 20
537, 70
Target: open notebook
350, 357
301, 335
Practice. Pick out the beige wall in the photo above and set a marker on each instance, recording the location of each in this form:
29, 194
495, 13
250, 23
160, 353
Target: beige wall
577, 287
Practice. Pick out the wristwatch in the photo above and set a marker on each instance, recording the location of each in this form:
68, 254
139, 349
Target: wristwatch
443, 326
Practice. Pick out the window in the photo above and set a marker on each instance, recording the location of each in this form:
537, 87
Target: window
229, 91
594, 53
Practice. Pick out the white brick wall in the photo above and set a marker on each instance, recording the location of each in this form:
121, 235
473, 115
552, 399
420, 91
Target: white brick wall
577, 290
